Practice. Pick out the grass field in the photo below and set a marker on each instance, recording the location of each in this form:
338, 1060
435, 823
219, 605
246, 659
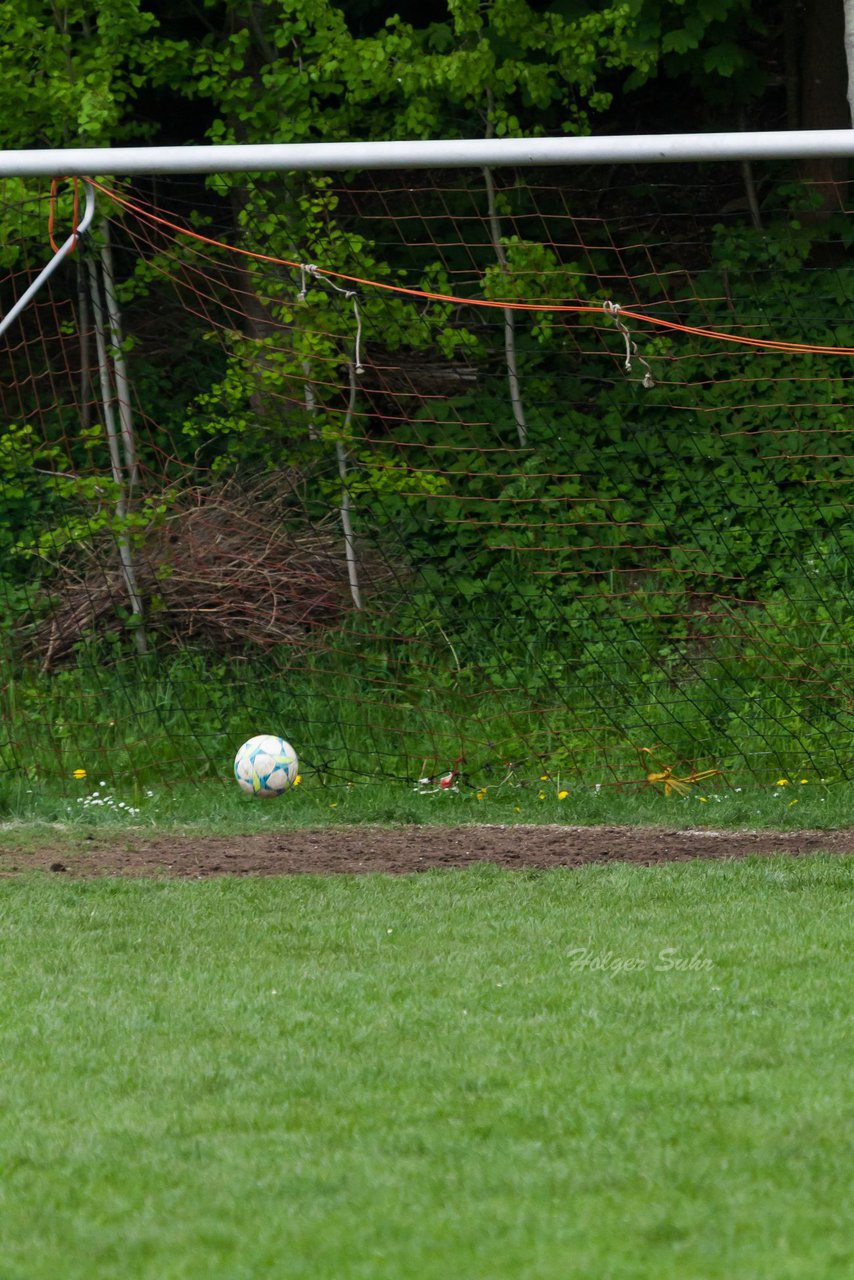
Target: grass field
172, 725
29, 811
622, 1073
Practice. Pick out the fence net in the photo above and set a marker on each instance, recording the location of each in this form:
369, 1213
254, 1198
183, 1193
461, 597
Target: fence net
535, 471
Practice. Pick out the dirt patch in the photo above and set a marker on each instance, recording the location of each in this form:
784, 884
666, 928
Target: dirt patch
405, 849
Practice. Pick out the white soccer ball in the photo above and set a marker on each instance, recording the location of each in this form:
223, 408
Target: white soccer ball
266, 766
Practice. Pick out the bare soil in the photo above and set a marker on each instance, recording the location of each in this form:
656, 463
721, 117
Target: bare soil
402, 850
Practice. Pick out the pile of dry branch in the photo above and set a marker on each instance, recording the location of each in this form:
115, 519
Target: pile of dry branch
229, 569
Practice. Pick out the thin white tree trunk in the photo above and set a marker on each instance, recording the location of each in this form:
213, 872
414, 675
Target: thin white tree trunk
119, 365
310, 400
346, 524
848, 8
513, 384
122, 538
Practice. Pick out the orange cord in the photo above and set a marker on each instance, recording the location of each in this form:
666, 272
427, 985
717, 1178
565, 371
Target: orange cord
766, 344
51, 217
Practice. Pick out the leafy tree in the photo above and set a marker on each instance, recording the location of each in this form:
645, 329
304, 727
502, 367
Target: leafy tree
84, 71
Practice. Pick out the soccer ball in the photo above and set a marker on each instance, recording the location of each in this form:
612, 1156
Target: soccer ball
266, 766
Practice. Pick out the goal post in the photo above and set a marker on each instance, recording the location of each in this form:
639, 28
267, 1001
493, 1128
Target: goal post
448, 153
514, 462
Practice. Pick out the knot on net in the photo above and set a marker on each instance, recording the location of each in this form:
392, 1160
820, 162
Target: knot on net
613, 310
311, 269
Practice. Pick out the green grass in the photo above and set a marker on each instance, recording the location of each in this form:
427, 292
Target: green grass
32, 814
150, 722
476, 1074
156, 738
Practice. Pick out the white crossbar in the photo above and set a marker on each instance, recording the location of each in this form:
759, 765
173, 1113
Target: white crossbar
451, 153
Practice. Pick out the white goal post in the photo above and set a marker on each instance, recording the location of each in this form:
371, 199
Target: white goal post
796, 144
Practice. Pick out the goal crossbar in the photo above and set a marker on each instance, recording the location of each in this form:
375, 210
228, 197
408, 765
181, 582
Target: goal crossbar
449, 153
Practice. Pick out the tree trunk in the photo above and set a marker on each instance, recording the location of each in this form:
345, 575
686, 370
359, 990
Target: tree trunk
791, 56
344, 510
116, 463
823, 100
848, 15
513, 384
119, 366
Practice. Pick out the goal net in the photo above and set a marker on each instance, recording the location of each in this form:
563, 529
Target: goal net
530, 474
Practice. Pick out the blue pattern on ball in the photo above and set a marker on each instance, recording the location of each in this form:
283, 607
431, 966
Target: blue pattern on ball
266, 765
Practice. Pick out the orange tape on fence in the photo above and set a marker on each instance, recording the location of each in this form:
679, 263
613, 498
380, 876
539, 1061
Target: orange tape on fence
764, 344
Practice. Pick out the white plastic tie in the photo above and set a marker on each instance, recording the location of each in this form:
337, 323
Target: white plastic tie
357, 346
613, 309
309, 269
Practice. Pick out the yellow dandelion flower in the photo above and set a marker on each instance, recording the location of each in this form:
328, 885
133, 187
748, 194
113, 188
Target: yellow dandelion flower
541, 796
544, 777
79, 773
703, 799
804, 781
782, 782
561, 795
481, 793
297, 779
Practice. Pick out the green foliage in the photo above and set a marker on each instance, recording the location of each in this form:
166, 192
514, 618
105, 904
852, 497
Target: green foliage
83, 70
509, 65
714, 46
